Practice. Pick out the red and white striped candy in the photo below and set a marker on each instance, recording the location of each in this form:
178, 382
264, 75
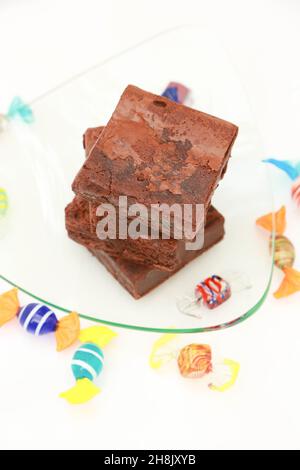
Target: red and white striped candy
296, 191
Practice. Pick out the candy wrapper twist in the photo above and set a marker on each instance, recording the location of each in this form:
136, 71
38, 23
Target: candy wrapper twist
87, 364
39, 319
195, 361
293, 172
284, 257
17, 109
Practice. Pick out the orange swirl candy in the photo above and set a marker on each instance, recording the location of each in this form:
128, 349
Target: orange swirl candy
194, 360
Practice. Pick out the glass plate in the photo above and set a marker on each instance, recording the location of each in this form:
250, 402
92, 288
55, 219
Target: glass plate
38, 163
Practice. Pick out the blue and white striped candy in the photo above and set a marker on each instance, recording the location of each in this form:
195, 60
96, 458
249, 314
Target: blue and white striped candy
38, 319
87, 362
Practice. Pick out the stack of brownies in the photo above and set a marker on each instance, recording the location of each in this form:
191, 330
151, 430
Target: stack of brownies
153, 151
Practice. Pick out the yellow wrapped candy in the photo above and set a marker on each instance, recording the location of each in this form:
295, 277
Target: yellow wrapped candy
194, 361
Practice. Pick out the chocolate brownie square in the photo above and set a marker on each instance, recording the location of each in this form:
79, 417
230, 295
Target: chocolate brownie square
156, 151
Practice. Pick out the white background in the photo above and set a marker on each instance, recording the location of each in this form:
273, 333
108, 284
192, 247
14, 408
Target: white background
44, 42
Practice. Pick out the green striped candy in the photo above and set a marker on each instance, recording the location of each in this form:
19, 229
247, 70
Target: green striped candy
87, 362
3, 202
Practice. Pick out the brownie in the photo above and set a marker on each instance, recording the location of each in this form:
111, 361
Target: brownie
139, 279
166, 255
155, 151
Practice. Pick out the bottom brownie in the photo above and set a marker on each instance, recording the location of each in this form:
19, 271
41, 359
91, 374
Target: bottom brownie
139, 279
164, 255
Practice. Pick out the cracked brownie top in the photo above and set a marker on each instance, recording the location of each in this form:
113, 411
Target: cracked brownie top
156, 151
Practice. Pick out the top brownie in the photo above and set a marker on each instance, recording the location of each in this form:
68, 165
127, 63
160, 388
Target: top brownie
154, 150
